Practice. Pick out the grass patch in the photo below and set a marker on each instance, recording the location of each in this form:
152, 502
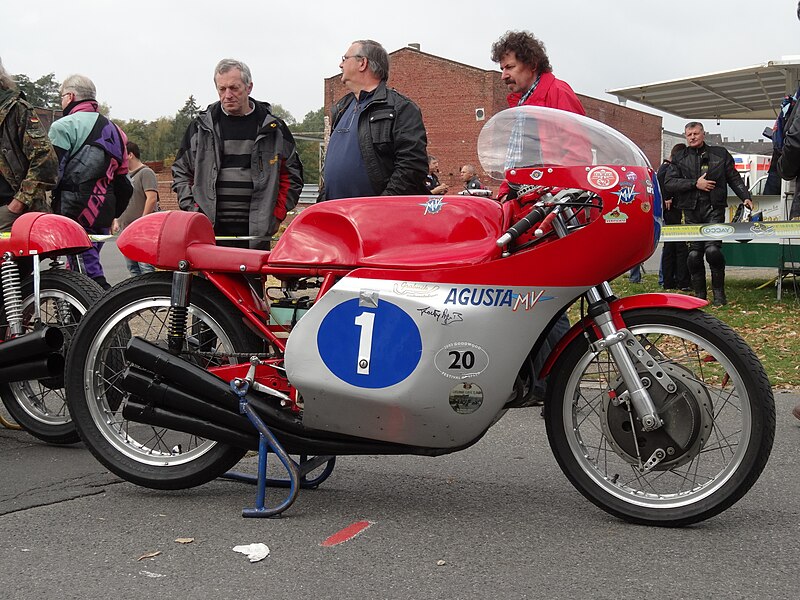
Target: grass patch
770, 327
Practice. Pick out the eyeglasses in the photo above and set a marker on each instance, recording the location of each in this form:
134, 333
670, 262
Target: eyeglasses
66, 94
345, 57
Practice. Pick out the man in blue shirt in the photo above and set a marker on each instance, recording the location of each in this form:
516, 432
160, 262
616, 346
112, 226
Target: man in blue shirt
378, 145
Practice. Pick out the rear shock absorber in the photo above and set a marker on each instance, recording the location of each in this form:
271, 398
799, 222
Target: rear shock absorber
12, 294
179, 310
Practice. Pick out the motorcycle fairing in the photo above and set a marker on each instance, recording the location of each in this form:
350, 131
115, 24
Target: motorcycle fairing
419, 363
44, 234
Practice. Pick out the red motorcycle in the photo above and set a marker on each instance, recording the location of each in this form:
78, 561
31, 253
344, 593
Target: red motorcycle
405, 325
41, 311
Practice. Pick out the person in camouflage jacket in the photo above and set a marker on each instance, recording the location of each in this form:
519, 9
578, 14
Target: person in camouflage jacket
28, 163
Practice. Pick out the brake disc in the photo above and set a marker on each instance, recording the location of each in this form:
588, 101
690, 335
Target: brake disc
688, 416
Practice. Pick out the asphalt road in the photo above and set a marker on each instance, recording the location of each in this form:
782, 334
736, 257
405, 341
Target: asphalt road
498, 520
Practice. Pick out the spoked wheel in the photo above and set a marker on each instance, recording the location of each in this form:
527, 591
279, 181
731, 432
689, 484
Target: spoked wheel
143, 454
40, 406
719, 421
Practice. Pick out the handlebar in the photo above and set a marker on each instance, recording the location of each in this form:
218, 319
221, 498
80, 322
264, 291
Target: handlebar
539, 212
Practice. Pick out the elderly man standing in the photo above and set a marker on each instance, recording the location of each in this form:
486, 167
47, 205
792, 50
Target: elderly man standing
238, 162
28, 165
93, 186
378, 145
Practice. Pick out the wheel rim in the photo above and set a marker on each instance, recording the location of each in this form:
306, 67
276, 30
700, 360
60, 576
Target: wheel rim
105, 363
708, 465
44, 400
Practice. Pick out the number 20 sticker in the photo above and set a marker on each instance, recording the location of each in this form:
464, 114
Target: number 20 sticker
461, 360
369, 347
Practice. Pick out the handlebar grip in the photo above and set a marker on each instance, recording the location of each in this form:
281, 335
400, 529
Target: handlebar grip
523, 225
546, 224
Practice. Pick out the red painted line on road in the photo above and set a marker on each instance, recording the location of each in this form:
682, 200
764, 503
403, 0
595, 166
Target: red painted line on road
348, 533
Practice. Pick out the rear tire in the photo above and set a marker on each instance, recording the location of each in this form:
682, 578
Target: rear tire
40, 406
150, 456
718, 429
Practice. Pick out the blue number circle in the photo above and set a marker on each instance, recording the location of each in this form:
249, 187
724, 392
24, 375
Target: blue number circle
394, 347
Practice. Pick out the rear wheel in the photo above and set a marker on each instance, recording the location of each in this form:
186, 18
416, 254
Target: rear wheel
147, 455
719, 422
40, 406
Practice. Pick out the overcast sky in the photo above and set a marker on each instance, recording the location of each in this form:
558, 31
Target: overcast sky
147, 57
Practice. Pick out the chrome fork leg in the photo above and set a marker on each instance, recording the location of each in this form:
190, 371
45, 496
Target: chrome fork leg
611, 340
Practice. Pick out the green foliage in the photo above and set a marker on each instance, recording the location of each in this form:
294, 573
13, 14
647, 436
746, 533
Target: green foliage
284, 115
312, 123
43, 92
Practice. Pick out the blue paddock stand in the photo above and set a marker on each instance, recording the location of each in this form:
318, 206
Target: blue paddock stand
296, 471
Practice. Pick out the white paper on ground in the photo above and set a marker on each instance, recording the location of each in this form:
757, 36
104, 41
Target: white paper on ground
255, 552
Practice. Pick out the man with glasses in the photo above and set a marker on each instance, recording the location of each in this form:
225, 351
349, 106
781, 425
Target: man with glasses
238, 162
378, 145
93, 186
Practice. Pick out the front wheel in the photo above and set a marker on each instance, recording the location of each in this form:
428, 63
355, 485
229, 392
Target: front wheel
148, 455
719, 422
40, 406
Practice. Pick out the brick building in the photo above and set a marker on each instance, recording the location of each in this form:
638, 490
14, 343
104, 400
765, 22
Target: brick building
456, 100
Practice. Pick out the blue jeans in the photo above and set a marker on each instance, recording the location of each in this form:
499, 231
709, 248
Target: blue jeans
635, 274
138, 268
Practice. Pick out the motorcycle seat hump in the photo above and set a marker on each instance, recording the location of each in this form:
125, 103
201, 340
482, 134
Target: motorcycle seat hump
44, 234
393, 232
163, 239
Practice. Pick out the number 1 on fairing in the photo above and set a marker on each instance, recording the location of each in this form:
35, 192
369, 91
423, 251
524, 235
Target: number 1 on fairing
365, 321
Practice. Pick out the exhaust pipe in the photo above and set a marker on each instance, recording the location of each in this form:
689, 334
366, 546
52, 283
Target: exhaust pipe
197, 383
163, 395
43, 367
162, 417
36, 344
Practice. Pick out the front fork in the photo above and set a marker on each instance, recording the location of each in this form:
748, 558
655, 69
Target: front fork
626, 351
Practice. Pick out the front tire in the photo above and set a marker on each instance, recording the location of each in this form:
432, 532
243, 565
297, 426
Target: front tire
40, 406
146, 455
718, 429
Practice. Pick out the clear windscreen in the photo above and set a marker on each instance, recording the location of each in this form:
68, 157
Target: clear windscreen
534, 136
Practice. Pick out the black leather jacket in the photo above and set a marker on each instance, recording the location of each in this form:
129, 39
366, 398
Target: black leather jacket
789, 161
681, 178
393, 142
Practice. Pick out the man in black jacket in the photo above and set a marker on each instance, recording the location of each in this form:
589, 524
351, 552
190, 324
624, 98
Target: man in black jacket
378, 145
674, 254
789, 167
697, 180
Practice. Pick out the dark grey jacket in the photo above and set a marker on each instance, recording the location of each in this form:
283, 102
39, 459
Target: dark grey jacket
393, 142
680, 181
275, 168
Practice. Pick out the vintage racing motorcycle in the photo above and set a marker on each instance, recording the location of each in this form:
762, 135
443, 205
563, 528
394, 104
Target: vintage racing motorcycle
41, 309
405, 325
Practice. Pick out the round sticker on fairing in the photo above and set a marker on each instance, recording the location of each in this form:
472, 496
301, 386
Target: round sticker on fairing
369, 347
466, 398
461, 360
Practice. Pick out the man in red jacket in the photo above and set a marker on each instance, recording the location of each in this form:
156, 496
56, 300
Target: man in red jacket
526, 71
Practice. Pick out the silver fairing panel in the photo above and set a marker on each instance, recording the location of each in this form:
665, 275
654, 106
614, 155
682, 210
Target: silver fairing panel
424, 364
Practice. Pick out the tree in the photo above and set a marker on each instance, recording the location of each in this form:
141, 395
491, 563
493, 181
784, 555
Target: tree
182, 119
308, 149
43, 92
283, 114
